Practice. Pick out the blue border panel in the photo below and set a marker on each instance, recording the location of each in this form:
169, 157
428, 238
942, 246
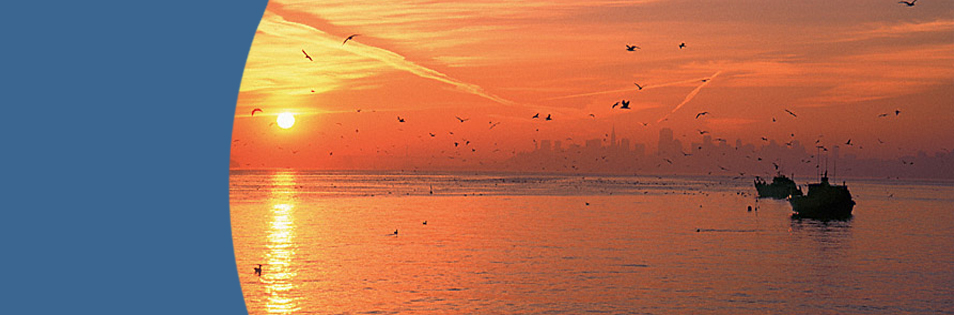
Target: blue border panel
116, 125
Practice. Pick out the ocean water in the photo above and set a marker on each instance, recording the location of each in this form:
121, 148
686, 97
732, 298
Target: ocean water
535, 244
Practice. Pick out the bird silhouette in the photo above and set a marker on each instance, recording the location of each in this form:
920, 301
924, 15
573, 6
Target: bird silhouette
425, 222
631, 48
702, 132
395, 232
625, 105
701, 114
791, 113
400, 119
462, 119
883, 115
639, 86
849, 142
614, 105
910, 4
535, 116
349, 38
258, 270
306, 55
764, 139
773, 119
256, 110
548, 117
897, 112
682, 45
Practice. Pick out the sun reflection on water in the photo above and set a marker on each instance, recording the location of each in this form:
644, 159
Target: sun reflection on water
282, 293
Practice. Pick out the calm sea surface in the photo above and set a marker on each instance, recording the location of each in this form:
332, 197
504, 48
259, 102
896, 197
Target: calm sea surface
530, 244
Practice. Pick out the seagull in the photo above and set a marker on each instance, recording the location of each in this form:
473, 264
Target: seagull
614, 105
702, 132
849, 142
639, 86
591, 115
897, 112
773, 119
625, 105
462, 119
764, 139
633, 48
256, 110
791, 113
346, 40
705, 80
258, 270
306, 55
683, 45
701, 114
883, 115
910, 4
400, 119
395, 232
537, 115
425, 222
493, 124
548, 117
432, 135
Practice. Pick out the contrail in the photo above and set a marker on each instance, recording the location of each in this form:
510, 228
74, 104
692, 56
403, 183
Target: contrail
647, 87
690, 96
394, 60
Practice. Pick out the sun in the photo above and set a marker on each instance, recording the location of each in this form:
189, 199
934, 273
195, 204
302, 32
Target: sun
286, 120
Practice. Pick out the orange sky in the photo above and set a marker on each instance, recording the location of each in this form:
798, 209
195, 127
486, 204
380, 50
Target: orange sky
836, 64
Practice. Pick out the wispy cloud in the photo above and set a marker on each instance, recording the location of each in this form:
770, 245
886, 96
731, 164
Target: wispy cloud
690, 96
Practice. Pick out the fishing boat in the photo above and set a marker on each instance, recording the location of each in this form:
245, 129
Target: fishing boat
823, 201
781, 187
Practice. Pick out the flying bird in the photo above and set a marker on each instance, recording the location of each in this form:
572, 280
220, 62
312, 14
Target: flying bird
897, 112
639, 86
773, 119
701, 114
625, 105
683, 45
591, 115
702, 132
537, 115
400, 119
462, 119
306, 56
548, 117
791, 113
349, 38
614, 105
256, 110
883, 115
910, 4
631, 48
849, 142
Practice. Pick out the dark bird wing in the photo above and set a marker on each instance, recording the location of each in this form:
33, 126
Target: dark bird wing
256, 110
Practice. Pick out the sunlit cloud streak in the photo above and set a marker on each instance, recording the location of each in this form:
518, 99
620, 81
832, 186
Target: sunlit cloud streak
691, 95
647, 87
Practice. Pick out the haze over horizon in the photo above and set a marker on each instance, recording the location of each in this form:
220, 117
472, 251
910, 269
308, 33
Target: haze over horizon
877, 73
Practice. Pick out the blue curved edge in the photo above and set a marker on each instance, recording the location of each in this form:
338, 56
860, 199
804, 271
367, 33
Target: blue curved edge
117, 122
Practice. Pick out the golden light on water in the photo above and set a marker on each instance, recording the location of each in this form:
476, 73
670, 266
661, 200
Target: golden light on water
277, 275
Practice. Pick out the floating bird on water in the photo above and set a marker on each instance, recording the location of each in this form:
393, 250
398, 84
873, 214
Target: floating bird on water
256, 110
682, 45
791, 113
701, 114
631, 48
639, 86
910, 4
625, 105
349, 38
306, 55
